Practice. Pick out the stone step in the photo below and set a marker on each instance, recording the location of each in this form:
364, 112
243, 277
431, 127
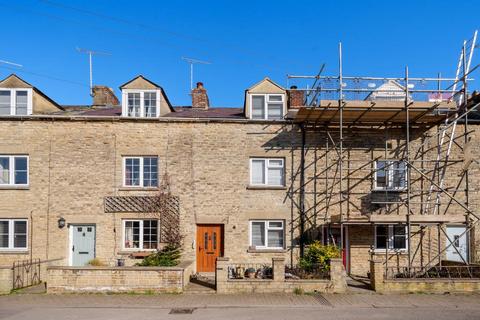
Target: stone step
194, 288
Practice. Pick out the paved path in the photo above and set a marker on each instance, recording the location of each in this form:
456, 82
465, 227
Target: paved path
241, 306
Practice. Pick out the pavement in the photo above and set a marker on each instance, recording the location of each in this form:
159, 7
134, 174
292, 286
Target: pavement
239, 306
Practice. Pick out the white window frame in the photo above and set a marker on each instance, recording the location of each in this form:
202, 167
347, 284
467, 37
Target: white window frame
266, 166
125, 93
389, 176
11, 235
267, 227
11, 168
265, 106
13, 102
390, 239
140, 248
141, 158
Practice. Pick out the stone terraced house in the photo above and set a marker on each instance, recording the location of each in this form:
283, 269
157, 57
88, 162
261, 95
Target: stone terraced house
249, 183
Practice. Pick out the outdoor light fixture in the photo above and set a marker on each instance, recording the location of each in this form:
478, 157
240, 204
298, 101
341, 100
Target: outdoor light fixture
61, 222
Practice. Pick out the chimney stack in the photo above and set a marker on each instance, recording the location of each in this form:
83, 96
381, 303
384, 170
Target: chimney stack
200, 97
296, 98
104, 96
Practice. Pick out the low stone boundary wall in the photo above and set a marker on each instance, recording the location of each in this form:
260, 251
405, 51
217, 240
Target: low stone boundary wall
336, 284
428, 285
119, 279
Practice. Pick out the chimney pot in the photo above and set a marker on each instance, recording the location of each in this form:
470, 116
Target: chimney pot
199, 85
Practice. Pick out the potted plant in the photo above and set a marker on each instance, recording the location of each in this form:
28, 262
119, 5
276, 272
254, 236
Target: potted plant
250, 273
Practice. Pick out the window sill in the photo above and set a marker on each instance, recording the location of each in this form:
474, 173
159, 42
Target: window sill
389, 190
6, 251
266, 250
390, 251
14, 187
255, 187
137, 253
138, 189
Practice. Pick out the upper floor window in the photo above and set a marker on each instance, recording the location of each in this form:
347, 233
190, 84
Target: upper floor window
13, 234
140, 172
392, 237
15, 102
267, 172
141, 103
13, 170
390, 175
267, 106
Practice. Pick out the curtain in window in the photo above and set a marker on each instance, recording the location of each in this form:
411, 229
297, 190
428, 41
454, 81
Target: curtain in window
132, 172
258, 234
275, 238
133, 105
4, 170
275, 172
275, 111
258, 171
132, 234
258, 107
150, 103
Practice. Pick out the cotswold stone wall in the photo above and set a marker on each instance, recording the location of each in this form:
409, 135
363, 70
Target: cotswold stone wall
76, 163
115, 279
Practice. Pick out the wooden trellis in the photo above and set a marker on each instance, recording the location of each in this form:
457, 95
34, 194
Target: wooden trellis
166, 207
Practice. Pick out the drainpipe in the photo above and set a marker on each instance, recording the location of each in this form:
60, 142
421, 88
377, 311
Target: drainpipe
302, 193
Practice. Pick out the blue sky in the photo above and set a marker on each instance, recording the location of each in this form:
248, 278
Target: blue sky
244, 40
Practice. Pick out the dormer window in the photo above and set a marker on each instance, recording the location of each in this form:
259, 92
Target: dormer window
15, 102
267, 106
141, 104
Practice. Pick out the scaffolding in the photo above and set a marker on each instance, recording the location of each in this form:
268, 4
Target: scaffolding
336, 106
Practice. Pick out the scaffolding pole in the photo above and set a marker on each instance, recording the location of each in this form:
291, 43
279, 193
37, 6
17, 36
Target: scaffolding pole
407, 155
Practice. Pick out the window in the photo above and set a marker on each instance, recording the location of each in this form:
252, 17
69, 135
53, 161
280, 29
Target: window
141, 104
140, 172
267, 172
13, 170
393, 237
140, 234
267, 234
267, 106
13, 234
15, 102
390, 175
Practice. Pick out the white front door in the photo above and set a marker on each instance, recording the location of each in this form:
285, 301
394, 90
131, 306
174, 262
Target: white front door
460, 242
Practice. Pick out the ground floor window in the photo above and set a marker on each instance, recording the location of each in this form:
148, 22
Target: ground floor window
267, 234
140, 234
393, 237
13, 234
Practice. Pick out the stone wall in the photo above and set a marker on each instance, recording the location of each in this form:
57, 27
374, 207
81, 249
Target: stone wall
336, 284
117, 279
6, 280
440, 285
76, 162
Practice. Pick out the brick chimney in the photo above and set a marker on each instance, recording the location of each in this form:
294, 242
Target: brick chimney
296, 98
104, 96
200, 97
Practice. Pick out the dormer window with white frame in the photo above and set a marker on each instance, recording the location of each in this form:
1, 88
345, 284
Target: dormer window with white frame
15, 102
390, 175
141, 103
267, 106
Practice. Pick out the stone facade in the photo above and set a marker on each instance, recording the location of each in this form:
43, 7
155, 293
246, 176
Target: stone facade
76, 162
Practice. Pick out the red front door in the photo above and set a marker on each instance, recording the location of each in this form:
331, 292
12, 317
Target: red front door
209, 246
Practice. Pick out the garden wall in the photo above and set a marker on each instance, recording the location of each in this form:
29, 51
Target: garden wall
416, 285
337, 282
119, 279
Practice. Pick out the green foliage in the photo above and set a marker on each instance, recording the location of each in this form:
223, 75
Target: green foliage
298, 291
319, 256
169, 256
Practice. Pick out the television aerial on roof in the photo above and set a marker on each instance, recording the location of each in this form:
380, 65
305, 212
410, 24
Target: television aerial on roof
90, 54
192, 61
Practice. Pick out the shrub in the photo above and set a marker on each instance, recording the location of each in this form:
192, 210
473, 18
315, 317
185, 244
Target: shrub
95, 262
319, 255
169, 256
